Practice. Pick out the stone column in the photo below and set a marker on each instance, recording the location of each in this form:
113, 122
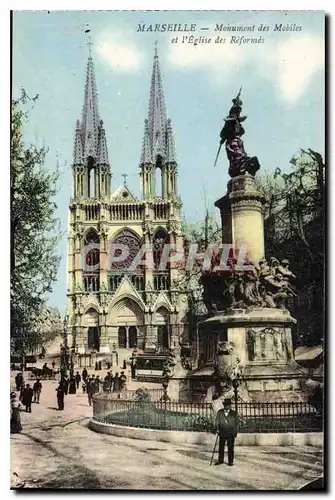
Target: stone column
81, 340
78, 261
175, 333
104, 343
103, 261
242, 212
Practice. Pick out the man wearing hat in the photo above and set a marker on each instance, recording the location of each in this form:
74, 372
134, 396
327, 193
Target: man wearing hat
226, 425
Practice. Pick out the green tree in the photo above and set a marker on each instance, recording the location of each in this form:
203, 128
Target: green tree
294, 229
295, 204
50, 326
34, 231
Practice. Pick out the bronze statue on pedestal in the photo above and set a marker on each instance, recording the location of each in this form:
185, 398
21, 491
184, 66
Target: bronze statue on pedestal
239, 162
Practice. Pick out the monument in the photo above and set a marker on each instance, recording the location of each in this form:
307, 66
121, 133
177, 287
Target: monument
248, 336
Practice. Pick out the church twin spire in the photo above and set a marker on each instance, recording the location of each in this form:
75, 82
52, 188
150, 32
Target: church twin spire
90, 137
158, 149
158, 137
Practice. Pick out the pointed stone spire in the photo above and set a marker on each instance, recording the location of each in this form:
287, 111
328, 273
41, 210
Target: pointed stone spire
78, 146
158, 142
102, 146
90, 116
170, 147
146, 153
157, 112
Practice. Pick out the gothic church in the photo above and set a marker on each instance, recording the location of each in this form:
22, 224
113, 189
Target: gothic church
110, 308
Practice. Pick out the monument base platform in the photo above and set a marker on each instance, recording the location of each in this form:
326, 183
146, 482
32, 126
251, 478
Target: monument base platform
261, 344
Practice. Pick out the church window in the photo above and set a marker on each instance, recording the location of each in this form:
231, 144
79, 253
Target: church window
92, 254
91, 178
161, 238
129, 239
92, 260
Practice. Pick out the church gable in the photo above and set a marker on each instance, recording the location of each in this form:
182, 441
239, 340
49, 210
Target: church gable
123, 195
162, 301
90, 301
127, 289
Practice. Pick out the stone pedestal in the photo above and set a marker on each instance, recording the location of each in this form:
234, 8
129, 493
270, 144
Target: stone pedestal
179, 389
262, 340
242, 217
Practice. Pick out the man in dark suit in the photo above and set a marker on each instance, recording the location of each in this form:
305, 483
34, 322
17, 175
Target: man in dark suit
27, 397
226, 425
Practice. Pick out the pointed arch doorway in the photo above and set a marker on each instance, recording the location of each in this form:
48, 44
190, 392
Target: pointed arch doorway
163, 330
128, 319
91, 319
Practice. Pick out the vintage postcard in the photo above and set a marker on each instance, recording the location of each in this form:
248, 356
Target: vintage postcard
167, 250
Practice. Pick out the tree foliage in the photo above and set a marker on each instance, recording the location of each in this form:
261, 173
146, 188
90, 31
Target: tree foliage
205, 231
294, 229
50, 325
295, 204
34, 231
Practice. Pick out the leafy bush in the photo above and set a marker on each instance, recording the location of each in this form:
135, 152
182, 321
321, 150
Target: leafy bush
142, 396
154, 418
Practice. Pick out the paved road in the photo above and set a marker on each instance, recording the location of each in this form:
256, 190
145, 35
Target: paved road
57, 450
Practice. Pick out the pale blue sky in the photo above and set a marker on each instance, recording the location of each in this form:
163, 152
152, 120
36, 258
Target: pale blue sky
283, 93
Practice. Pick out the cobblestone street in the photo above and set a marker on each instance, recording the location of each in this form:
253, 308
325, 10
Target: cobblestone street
57, 450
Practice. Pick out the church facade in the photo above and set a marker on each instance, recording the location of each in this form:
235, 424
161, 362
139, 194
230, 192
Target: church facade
112, 306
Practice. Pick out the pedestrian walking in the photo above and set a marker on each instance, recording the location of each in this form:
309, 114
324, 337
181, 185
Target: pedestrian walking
226, 426
45, 370
65, 384
53, 364
90, 389
97, 385
85, 383
19, 381
78, 379
60, 394
84, 374
132, 369
107, 385
15, 417
72, 385
27, 397
37, 388
116, 387
123, 380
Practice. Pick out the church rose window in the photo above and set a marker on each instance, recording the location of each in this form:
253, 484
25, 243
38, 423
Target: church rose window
130, 240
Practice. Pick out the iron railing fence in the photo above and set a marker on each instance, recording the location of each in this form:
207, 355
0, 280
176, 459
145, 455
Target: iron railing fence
153, 395
172, 415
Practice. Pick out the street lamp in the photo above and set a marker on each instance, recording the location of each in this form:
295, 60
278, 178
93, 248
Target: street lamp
64, 349
236, 383
65, 321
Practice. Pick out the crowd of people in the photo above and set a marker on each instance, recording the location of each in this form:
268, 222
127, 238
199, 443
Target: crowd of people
26, 396
91, 384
